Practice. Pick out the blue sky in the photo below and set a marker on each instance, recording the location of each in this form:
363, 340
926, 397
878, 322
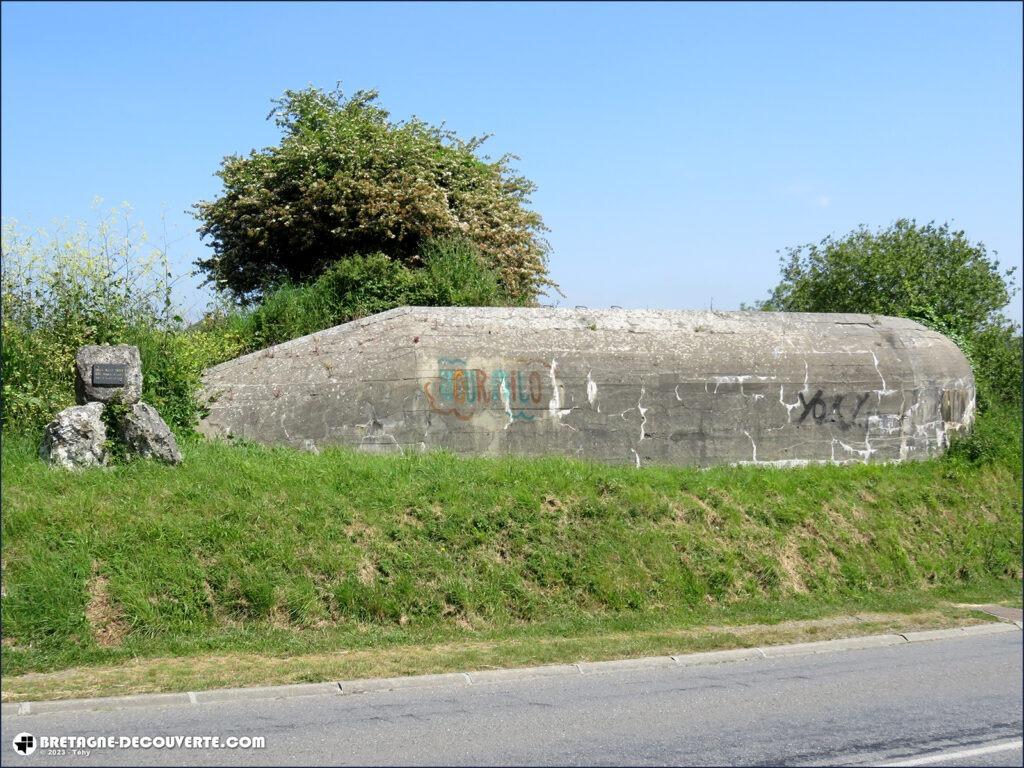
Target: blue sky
676, 148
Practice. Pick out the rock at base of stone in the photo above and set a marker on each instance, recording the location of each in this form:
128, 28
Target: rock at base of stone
145, 434
124, 355
76, 438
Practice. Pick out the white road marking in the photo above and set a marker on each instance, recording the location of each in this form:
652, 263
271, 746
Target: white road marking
941, 757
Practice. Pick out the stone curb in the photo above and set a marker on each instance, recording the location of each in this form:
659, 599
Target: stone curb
826, 646
522, 673
401, 683
466, 679
645, 662
718, 657
112, 702
264, 692
994, 628
989, 629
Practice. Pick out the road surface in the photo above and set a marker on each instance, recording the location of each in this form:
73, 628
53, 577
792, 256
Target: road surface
944, 702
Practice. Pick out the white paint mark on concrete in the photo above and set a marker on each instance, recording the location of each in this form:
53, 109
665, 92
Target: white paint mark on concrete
905, 413
643, 413
788, 406
719, 380
506, 401
592, 391
753, 444
555, 404
781, 463
865, 454
884, 390
784, 463
968, 417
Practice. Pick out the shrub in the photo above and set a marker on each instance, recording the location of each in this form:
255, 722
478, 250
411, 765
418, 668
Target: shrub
92, 286
173, 361
453, 274
996, 352
995, 439
927, 273
347, 180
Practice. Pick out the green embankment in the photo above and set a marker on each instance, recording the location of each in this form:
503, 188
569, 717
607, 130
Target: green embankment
252, 549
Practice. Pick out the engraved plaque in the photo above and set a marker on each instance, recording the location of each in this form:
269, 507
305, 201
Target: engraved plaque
109, 374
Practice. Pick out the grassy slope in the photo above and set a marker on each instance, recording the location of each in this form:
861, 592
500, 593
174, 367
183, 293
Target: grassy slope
250, 549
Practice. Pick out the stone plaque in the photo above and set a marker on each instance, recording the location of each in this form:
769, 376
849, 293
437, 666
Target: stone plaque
109, 374
104, 372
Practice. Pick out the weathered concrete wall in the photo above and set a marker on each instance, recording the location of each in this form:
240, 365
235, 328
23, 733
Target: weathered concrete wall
697, 388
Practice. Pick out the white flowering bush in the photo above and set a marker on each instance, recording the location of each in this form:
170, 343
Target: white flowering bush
345, 180
101, 284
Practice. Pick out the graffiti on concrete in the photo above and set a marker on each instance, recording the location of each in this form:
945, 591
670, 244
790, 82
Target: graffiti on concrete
818, 407
462, 391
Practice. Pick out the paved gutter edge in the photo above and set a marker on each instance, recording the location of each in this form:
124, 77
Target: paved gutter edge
464, 679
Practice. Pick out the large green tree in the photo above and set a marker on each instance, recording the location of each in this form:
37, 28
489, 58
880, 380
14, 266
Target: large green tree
345, 180
929, 273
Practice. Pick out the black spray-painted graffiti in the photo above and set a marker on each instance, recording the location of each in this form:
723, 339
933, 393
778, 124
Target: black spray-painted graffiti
819, 408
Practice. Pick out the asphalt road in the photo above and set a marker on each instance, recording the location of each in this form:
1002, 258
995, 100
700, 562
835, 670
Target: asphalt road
945, 702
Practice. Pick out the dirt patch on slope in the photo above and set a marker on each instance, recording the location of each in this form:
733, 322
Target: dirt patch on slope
105, 619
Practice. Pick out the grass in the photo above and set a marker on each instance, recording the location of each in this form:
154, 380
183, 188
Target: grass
537, 645
248, 553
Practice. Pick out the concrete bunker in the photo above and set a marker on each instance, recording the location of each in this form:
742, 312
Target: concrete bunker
622, 386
